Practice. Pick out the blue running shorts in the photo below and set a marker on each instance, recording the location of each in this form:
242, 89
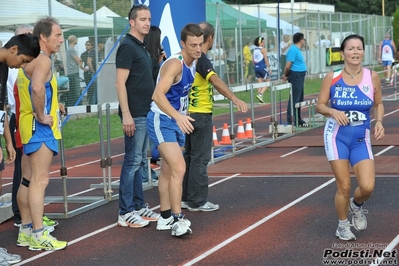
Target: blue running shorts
33, 147
161, 128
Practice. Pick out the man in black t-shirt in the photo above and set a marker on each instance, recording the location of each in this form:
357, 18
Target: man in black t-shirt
134, 86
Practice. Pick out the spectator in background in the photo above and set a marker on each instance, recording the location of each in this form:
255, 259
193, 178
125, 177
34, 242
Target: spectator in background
261, 66
231, 57
219, 58
84, 56
284, 46
248, 64
91, 62
386, 54
270, 45
58, 66
73, 63
322, 43
295, 71
153, 45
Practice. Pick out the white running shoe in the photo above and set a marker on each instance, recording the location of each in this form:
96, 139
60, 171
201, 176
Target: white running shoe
184, 205
207, 207
8, 257
132, 219
148, 214
344, 232
181, 227
359, 219
166, 224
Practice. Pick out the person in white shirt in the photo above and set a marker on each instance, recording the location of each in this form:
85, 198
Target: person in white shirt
284, 46
218, 60
323, 43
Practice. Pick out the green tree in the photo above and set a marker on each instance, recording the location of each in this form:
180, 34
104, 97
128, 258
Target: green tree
395, 23
348, 6
121, 7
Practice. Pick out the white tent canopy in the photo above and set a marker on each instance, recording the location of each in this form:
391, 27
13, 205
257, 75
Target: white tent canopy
286, 27
14, 13
105, 12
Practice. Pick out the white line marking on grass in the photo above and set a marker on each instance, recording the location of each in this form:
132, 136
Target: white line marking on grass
250, 228
105, 229
295, 151
389, 248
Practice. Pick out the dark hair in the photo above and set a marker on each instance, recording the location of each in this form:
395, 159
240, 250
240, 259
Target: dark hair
298, 37
352, 36
134, 9
28, 44
153, 42
258, 40
44, 26
191, 30
208, 30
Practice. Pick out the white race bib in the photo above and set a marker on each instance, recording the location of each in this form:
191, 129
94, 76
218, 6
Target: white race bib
356, 118
2, 121
183, 105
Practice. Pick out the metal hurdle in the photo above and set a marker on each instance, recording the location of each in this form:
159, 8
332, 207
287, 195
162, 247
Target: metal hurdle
393, 81
311, 104
90, 202
276, 128
238, 147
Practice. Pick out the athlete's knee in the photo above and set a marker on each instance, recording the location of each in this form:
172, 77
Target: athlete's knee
344, 188
367, 189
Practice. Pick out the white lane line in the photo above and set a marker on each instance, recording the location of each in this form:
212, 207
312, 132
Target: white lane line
87, 163
69, 243
260, 222
297, 150
384, 150
389, 248
105, 228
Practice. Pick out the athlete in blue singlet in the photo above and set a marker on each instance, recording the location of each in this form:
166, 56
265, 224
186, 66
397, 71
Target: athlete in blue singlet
167, 123
386, 55
261, 66
352, 92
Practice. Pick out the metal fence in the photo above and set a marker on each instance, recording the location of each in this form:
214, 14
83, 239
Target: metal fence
239, 24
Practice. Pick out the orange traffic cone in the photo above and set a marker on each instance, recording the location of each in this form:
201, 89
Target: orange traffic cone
215, 137
248, 129
240, 130
225, 135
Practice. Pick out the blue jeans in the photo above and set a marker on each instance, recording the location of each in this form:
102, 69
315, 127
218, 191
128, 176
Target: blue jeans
197, 154
131, 196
